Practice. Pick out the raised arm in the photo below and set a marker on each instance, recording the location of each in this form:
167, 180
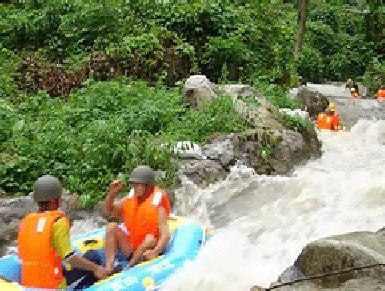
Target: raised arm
110, 206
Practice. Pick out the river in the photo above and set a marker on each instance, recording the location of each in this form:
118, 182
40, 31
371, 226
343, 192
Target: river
261, 223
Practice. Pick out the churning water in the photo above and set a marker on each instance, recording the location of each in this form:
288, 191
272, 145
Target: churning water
261, 223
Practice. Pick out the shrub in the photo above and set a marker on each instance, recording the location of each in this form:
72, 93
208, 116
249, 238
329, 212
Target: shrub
104, 129
230, 52
374, 76
298, 123
196, 126
8, 117
278, 96
8, 86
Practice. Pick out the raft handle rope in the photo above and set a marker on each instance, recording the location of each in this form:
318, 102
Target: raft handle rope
314, 277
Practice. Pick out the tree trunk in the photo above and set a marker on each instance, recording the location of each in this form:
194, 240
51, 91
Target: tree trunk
302, 6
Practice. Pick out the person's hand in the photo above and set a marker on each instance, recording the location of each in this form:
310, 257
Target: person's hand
150, 255
101, 272
115, 187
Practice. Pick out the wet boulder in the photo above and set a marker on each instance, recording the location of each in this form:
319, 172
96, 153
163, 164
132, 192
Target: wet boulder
350, 260
312, 100
341, 252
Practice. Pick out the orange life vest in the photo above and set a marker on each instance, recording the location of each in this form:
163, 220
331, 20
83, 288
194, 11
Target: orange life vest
41, 266
326, 121
381, 94
141, 219
336, 121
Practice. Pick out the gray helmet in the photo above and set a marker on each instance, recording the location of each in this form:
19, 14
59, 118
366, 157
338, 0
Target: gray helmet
46, 188
143, 174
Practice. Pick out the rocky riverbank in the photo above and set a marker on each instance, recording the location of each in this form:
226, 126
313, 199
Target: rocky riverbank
271, 148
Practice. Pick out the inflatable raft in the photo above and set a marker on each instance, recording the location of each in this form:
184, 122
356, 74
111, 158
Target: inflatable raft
333, 131
186, 240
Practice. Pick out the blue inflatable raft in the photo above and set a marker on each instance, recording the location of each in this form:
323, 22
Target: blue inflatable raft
186, 240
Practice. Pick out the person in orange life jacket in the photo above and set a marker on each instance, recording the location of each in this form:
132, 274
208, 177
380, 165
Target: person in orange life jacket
336, 117
44, 240
329, 119
380, 95
145, 211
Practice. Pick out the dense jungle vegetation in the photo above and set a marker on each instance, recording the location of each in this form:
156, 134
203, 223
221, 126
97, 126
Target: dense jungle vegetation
90, 89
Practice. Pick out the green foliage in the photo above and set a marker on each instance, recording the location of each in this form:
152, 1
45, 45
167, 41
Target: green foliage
207, 36
326, 14
89, 25
322, 37
374, 14
104, 129
219, 116
8, 61
165, 40
311, 64
8, 118
278, 96
374, 76
298, 123
337, 44
35, 28
250, 101
231, 53
107, 128
269, 145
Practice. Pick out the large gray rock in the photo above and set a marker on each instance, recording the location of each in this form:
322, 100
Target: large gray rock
361, 284
236, 90
202, 172
266, 151
198, 91
341, 252
313, 101
294, 149
269, 149
334, 254
263, 114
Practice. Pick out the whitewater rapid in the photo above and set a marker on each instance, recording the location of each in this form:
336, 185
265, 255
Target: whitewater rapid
261, 223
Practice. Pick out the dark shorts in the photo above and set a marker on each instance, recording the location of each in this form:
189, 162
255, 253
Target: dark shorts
78, 278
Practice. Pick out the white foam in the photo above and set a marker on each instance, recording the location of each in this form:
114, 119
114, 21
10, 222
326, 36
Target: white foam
263, 222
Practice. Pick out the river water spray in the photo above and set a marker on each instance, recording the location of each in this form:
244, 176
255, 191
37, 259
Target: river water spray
261, 223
